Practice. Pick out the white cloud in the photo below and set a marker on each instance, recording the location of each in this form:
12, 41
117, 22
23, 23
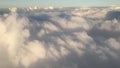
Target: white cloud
42, 40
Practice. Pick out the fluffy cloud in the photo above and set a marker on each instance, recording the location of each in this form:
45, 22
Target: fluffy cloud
60, 38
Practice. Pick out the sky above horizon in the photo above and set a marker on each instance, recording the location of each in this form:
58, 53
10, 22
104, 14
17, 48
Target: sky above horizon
57, 3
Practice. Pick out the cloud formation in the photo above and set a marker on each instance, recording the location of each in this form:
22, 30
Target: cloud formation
60, 38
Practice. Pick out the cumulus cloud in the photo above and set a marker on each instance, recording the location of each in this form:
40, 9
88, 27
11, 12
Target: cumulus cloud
60, 38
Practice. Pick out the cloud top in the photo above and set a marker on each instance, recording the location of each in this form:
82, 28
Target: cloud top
60, 38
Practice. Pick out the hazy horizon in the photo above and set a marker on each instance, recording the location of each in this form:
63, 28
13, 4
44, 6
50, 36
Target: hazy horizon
56, 3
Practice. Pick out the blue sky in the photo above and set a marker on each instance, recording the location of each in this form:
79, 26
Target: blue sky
57, 3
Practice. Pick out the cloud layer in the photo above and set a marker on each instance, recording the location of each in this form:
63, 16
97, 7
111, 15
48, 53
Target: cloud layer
60, 38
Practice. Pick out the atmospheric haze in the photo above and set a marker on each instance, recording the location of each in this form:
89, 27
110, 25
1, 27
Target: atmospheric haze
86, 37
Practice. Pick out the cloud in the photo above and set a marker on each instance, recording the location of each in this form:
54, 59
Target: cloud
59, 39
113, 15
